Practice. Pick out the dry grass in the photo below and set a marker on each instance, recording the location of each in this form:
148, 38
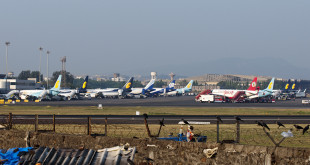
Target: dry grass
250, 134
93, 110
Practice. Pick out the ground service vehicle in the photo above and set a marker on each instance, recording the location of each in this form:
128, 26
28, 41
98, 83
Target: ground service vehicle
206, 98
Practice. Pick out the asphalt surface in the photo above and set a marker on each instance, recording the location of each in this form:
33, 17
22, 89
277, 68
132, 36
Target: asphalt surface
154, 119
181, 101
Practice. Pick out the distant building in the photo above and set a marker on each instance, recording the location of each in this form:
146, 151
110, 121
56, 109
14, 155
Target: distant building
116, 77
14, 84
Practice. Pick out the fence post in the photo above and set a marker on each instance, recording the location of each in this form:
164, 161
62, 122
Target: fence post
161, 124
36, 123
54, 123
217, 131
238, 132
274, 142
106, 126
147, 127
89, 125
10, 126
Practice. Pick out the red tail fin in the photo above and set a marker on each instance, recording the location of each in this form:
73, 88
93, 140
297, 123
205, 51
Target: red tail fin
252, 86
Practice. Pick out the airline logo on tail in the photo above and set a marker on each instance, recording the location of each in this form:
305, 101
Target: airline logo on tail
82, 89
252, 86
171, 85
293, 87
286, 86
189, 85
270, 85
84, 85
57, 84
128, 85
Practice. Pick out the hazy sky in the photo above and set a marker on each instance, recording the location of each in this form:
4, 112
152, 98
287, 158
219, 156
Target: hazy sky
137, 36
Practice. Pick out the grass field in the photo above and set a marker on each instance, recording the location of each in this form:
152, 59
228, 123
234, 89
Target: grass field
93, 110
250, 134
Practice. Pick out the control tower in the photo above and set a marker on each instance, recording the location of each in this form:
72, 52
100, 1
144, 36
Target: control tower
172, 76
153, 75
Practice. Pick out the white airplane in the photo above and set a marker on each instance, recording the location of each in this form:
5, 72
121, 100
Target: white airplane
41, 94
234, 94
300, 93
182, 91
143, 91
265, 92
13, 94
68, 94
163, 91
112, 92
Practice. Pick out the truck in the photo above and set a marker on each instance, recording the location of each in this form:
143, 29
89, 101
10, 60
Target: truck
206, 98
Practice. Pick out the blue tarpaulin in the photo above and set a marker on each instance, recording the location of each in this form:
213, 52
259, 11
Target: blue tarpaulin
12, 155
183, 138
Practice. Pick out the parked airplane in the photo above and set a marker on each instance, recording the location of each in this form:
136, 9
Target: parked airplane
112, 92
13, 94
235, 94
143, 91
300, 93
68, 94
163, 91
289, 90
182, 91
265, 92
41, 94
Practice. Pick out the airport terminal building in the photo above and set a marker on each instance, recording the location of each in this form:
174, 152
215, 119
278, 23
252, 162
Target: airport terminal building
15, 84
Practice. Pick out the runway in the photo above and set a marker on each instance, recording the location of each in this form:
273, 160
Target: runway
182, 101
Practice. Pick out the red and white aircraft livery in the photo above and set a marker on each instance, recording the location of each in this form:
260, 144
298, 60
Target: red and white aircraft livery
234, 94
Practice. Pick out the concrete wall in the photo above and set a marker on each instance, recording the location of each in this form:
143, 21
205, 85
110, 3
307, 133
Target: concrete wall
165, 152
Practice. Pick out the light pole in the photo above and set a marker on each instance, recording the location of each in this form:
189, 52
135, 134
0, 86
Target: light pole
47, 53
41, 49
6, 80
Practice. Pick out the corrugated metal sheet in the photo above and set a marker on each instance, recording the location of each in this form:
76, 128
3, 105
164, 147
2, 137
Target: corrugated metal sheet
48, 156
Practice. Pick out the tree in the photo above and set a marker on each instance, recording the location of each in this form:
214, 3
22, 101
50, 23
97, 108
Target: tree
24, 75
160, 84
35, 74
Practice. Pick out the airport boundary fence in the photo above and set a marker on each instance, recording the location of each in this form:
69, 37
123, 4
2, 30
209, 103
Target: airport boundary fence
103, 126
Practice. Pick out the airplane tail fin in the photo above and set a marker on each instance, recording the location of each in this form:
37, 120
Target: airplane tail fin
84, 86
294, 85
57, 84
128, 85
252, 86
150, 85
287, 85
171, 85
189, 85
270, 86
